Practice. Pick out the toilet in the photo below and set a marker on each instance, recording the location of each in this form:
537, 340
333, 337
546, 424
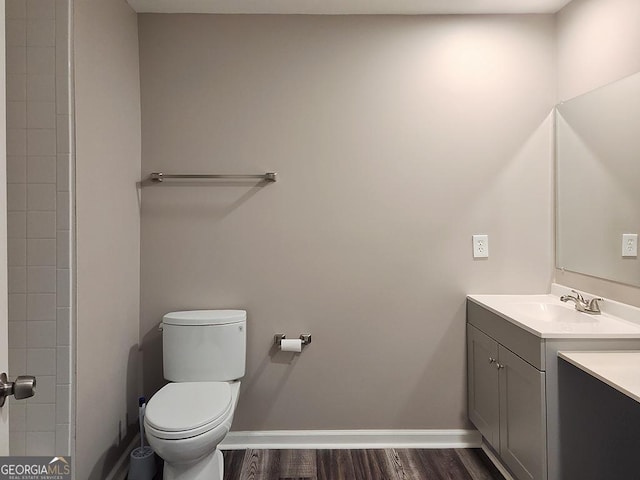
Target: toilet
204, 358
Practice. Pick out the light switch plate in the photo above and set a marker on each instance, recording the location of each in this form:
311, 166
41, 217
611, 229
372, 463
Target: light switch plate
480, 246
629, 244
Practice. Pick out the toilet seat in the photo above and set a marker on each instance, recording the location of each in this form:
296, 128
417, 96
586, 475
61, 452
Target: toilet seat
186, 409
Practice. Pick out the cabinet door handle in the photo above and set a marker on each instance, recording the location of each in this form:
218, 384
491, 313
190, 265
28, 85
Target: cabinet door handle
499, 366
492, 360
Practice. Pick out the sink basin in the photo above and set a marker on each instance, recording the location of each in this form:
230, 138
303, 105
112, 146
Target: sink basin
545, 316
551, 312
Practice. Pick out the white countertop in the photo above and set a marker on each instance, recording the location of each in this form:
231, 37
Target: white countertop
545, 316
618, 369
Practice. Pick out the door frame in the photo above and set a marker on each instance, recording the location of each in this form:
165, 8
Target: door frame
4, 289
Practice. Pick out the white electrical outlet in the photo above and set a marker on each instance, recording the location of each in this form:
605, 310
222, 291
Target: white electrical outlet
480, 246
629, 244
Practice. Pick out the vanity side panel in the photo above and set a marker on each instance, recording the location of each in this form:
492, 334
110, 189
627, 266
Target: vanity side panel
525, 344
554, 420
599, 430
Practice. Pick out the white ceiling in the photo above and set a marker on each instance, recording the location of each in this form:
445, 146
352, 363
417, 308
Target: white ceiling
346, 7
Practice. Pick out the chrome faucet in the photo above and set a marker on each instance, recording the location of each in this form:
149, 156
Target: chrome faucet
590, 306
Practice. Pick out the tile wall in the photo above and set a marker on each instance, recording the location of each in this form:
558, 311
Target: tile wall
39, 221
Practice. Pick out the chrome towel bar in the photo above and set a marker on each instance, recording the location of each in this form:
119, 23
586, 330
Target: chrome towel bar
160, 176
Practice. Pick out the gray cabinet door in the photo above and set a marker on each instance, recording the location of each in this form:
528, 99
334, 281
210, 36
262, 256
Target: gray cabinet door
522, 417
482, 377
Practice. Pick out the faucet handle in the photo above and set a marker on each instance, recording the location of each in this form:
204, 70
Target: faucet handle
580, 297
593, 304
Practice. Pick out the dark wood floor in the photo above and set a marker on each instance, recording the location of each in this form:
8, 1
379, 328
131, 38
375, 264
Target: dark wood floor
391, 464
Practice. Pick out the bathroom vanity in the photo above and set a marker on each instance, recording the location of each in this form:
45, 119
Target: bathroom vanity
512, 369
619, 370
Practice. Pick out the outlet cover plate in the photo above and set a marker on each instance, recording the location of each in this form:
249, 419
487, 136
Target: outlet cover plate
480, 246
629, 244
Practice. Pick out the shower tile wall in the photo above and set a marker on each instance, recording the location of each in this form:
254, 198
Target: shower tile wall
39, 226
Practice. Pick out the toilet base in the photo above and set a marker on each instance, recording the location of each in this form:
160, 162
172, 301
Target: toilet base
210, 467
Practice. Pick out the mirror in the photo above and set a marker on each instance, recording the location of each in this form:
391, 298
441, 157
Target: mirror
598, 181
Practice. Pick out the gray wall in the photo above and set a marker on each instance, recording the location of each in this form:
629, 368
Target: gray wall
598, 42
108, 234
395, 139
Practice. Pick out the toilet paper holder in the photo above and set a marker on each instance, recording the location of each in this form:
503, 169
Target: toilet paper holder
278, 337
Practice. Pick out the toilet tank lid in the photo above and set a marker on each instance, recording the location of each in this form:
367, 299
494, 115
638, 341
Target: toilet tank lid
205, 317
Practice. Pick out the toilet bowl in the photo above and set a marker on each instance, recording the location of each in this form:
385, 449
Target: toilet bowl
203, 356
185, 423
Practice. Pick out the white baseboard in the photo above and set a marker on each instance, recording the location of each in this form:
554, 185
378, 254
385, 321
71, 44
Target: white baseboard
334, 439
331, 439
121, 467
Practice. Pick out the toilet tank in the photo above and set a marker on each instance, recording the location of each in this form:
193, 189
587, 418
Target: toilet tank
204, 345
